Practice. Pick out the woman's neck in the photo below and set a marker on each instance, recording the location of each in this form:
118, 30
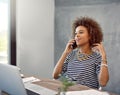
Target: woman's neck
85, 49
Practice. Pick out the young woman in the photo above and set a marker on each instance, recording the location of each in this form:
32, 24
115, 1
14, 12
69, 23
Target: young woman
86, 63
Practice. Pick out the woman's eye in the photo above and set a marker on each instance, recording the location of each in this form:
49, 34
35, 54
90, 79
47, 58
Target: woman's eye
81, 32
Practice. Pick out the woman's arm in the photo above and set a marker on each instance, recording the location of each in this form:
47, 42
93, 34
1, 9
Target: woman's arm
104, 73
59, 65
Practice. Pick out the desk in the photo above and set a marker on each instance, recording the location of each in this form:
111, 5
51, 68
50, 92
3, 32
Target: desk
55, 84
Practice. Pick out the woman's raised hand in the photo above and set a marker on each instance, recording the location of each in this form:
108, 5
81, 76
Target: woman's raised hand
69, 47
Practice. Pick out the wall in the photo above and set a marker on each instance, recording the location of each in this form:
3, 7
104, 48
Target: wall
108, 17
35, 37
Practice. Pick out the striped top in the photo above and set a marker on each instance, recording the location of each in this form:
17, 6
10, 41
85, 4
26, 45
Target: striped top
84, 72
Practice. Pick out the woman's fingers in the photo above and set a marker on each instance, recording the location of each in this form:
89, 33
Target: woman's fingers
71, 41
98, 44
99, 47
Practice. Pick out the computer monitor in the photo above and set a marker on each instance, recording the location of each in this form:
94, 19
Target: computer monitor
10, 80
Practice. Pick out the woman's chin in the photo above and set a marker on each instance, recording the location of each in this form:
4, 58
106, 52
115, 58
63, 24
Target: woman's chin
80, 44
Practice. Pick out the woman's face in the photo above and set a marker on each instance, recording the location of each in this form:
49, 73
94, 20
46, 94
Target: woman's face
81, 36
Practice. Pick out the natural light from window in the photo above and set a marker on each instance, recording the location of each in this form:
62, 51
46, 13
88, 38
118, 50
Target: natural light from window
4, 31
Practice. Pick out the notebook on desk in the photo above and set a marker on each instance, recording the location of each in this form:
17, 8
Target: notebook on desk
11, 82
87, 92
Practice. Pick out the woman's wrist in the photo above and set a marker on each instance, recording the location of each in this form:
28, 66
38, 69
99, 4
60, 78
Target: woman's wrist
104, 61
104, 65
65, 53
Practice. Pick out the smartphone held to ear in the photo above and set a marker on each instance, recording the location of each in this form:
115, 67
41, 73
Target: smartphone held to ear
74, 45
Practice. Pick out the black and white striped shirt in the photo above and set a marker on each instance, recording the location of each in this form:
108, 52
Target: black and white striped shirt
84, 72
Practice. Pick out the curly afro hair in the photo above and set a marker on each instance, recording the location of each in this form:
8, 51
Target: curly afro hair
94, 29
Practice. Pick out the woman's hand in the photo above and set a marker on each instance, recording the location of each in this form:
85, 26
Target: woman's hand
69, 47
100, 48
59, 65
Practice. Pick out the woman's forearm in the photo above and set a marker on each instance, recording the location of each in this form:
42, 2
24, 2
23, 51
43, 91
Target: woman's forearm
104, 74
58, 67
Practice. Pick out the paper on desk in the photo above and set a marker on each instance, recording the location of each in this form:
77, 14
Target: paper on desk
30, 79
86, 92
39, 89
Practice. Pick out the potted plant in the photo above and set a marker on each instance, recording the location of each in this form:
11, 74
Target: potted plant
66, 83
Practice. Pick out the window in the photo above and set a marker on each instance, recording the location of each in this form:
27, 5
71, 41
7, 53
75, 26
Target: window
8, 31
4, 30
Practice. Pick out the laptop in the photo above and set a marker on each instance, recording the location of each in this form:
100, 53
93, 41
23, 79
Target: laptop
11, 81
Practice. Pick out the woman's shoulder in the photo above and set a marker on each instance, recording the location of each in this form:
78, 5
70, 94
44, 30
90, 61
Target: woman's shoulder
97, 56
75, 50
72, 53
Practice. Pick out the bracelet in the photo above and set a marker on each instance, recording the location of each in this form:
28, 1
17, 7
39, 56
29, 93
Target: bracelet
104, 65
104, 60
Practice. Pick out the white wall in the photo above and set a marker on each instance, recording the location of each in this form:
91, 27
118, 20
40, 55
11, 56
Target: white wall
35, 37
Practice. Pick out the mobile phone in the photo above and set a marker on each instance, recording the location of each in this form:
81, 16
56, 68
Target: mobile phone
74, 45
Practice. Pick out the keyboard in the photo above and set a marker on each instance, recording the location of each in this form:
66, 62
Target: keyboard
29, 92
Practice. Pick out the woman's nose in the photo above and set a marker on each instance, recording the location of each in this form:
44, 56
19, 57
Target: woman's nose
77, 35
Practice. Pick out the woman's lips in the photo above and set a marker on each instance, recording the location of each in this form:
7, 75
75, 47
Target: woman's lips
77, 40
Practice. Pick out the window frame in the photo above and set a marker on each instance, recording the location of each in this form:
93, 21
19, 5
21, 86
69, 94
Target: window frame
12, 33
